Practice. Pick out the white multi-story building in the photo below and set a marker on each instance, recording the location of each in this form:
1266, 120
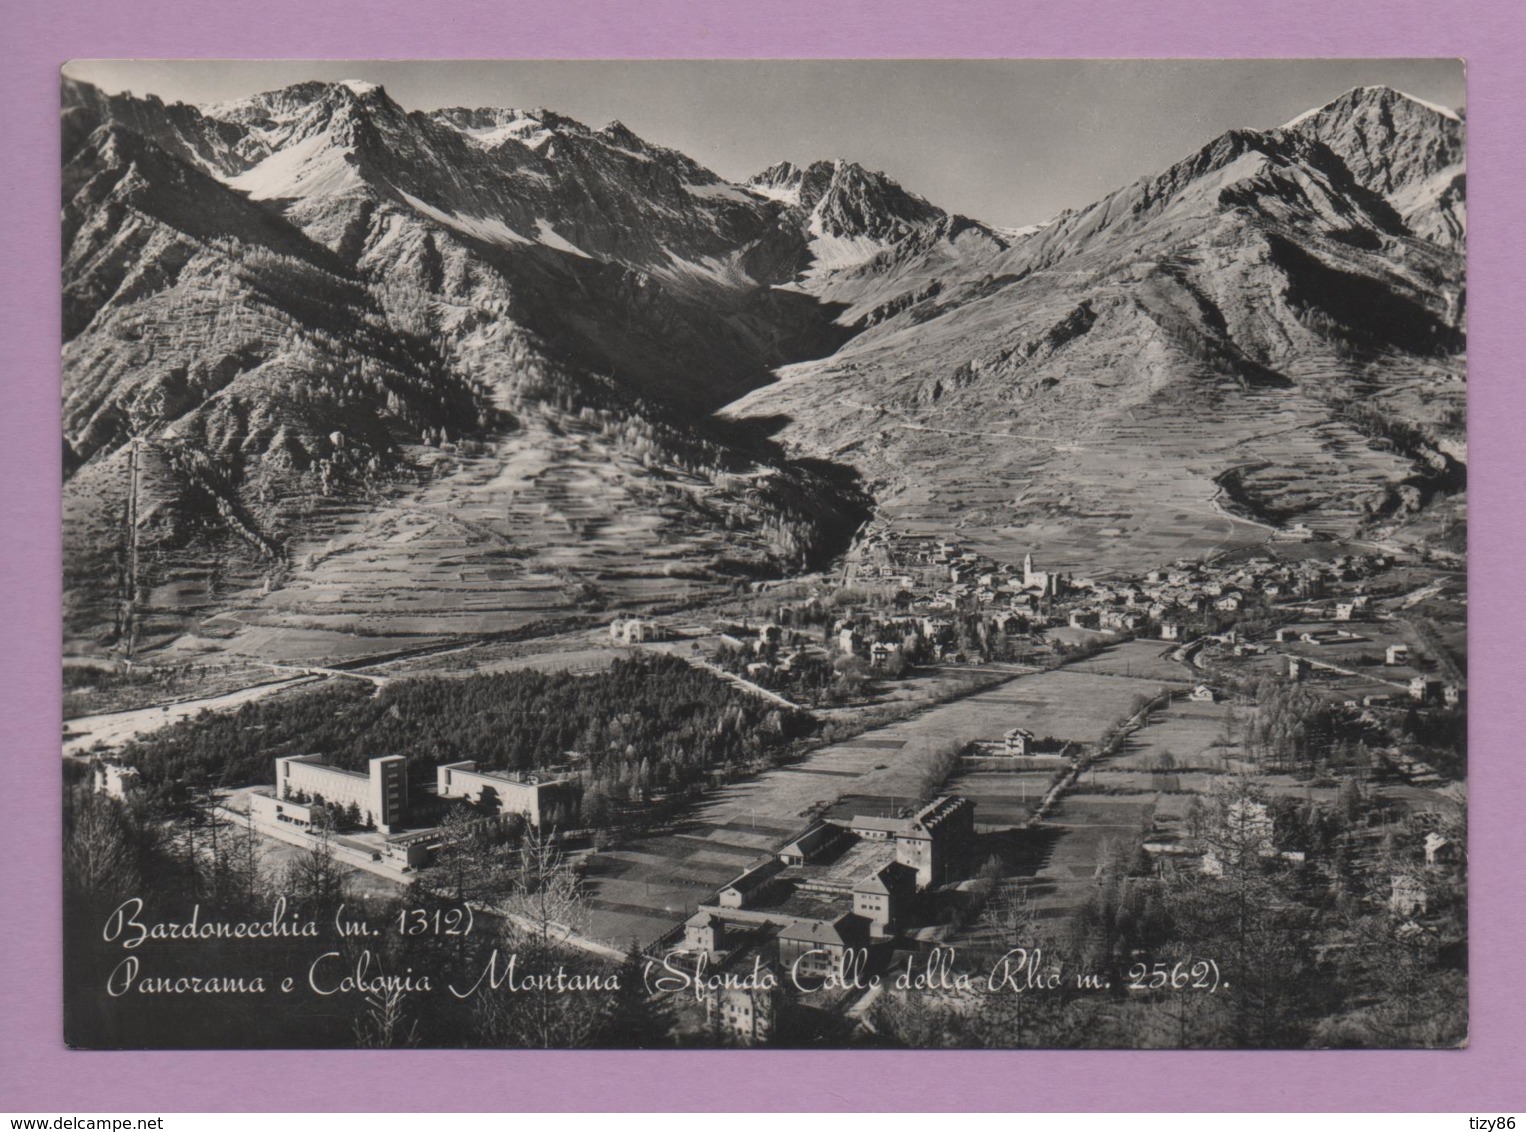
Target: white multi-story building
498, 792
380, 794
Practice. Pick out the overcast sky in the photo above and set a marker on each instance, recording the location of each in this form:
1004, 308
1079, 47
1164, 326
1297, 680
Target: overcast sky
1007, 142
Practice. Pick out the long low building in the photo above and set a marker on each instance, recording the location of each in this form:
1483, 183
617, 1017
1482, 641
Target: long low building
500, 792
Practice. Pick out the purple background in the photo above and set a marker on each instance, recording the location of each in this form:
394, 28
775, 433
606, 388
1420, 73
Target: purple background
37, 1073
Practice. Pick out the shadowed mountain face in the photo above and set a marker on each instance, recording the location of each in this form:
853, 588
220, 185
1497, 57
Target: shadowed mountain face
1408, 151
336, 369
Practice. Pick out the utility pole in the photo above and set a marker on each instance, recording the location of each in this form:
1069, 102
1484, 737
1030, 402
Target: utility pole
130, 567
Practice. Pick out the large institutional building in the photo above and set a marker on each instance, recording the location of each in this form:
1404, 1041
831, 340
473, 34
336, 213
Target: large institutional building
308, 791
925, 841
499, 792
304, 781
839, 884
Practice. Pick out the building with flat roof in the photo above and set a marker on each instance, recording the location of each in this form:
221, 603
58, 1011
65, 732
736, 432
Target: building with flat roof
380, 794
500, 792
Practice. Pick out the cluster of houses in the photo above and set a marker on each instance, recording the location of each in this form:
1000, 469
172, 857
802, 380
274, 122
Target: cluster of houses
1169, 596
880, 638
942, 602
1247, 834
1162, 602
933, 575
947, 584
1419, 689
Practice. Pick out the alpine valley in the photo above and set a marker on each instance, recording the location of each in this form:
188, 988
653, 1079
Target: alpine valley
341, 378
775, 612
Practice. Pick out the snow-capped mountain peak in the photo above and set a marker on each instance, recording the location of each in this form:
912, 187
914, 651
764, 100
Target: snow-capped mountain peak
1363, 96
1408, 150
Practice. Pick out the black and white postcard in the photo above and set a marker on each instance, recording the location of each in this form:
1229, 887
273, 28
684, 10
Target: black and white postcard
897, 554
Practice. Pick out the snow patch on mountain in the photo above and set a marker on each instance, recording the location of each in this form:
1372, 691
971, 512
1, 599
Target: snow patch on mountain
786, 194
718, 191
632, 153
491, 230
548, 236
781, 182
1378, 91
1442, 110
726, 271
834, 253
487, 229
311, 167
1021, 233
527, 130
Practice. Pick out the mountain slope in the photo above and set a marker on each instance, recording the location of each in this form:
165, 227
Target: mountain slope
276, 357
341, 377
1409, 151
1086, 391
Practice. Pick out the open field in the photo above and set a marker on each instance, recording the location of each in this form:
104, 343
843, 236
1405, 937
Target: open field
1143, 659
95, 688
1074, 840
1061, 703
1147, 782
1190, 731
1054, 863
115, 728
643, 889
1003, 799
